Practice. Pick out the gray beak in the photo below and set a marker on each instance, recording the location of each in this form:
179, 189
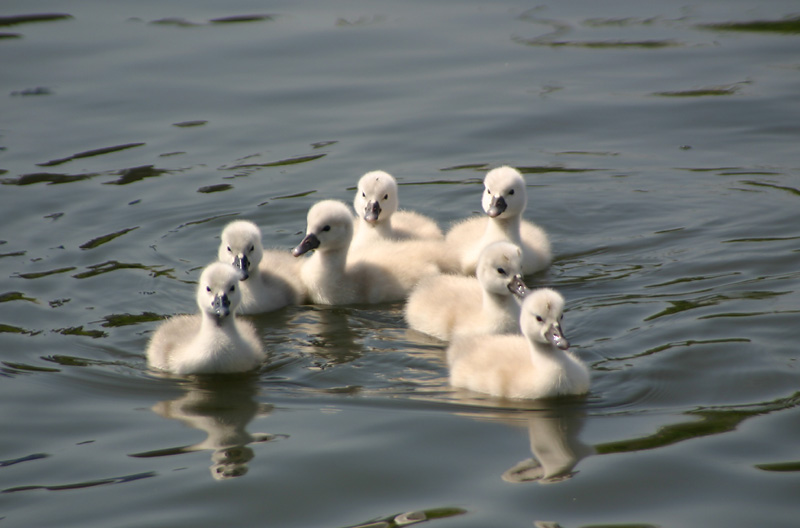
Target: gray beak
517, 287
243, 265
221, 305
556, 336
496, 207
372, 212
309, 242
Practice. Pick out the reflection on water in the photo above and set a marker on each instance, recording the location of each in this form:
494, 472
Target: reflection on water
412, 517
559, 31
221, 407
555, 447
329, 330
554, 428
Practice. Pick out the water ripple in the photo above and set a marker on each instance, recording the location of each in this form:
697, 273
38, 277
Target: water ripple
113, 265
90, 153
28, 19
95, 242
83, 484
704, 421
50, 178
786, 26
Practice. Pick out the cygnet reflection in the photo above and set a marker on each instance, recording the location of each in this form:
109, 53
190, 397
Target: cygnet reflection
222, 408
555, 446
553, 434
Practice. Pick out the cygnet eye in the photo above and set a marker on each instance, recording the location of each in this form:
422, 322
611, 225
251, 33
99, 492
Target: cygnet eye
539, 318
233, 288
385, 196
326, 228
488, 191
229, 249
363, 194
208, 289
511, 192
252, 248
501, 271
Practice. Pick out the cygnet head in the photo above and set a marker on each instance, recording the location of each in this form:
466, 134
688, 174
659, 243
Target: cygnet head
240, 246
541, 315
504, 193
329, 227
376, 196
218, 292
500, 269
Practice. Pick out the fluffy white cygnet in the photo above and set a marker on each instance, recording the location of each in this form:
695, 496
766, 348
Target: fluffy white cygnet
535, 365
391, 238
270, 279
212, 341
504, 200
331, 277
376, 204
447, 305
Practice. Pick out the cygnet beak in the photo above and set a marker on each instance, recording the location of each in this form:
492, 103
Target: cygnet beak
518, 287
309, 242
221, 305
372, 212
242, 263
556, 336
496, 207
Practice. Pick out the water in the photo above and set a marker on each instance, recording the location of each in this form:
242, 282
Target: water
658, 140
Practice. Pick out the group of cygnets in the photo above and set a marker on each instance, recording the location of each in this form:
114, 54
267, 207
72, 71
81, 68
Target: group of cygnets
464, 287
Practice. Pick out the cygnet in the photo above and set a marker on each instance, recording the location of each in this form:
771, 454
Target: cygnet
330, 277
535, 365
447, 305
212, 341
270, 279
376, 204
504, 200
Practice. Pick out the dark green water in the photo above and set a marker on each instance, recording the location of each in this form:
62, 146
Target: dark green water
659, 141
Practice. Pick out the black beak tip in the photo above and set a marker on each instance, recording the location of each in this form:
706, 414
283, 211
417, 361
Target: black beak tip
221, 306
372, 212
497, 207
243, 265
309, 242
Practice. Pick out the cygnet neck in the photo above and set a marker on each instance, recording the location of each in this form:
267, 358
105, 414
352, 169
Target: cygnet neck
382, 227
501, 227
498, 307
333, 259
210, 320
544, 353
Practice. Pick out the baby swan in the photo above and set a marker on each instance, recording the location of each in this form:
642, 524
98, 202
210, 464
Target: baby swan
535, 366
329, 276
376, 204
504, 200
213, 341
447, 305
267, 284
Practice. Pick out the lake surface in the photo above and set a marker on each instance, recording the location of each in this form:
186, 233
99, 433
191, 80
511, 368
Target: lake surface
659, 142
